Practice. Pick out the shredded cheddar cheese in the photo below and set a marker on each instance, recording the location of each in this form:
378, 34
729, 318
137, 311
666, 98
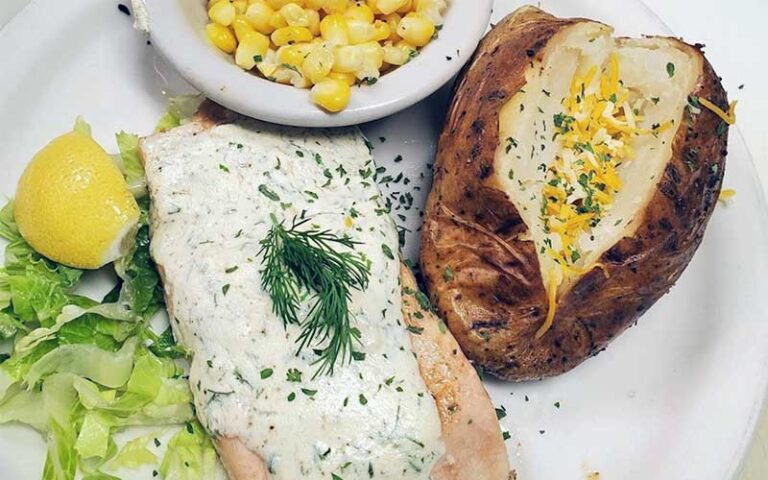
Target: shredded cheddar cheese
552, 297
728, 117
598, 126
727, 194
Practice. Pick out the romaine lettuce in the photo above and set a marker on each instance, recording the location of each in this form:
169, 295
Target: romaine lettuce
82, 370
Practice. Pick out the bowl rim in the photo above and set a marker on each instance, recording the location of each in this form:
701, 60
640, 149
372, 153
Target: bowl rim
182, 22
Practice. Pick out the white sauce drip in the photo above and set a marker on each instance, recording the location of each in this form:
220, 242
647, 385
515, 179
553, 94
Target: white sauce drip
209, 216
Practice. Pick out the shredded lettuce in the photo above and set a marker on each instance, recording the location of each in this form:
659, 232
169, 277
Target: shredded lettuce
180, 109
81, 126
135, 453
81, 370
130, 163
191, 455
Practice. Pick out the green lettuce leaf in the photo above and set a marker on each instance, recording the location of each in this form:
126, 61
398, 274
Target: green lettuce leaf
9, 325
8, 228
130, 163
67, 315
190, 455
60, 404
141, 282
81, 126
111, 369
165, 345
93, 438
22, 405
135, 453
181, 108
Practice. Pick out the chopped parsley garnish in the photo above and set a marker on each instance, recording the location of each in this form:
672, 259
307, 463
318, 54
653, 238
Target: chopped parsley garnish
266, 373
511, 143
423, 301
501, 412
358, 356
448, 273
269, 193
293, 375
415, 330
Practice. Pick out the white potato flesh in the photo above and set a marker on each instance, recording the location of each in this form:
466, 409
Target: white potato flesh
528, 119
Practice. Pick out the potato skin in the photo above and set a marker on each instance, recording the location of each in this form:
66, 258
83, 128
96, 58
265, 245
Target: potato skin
484, 276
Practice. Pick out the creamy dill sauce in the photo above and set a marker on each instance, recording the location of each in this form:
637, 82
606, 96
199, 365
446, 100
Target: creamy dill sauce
213, 194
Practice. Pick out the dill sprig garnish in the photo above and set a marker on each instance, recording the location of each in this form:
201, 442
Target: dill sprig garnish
300, 260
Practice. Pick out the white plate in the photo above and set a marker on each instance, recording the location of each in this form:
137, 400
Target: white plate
675, 398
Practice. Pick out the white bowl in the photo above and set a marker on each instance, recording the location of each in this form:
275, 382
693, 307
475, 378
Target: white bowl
177, 30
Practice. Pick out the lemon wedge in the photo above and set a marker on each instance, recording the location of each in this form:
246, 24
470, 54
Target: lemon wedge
73, 205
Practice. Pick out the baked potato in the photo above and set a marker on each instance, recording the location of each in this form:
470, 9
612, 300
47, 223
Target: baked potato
574, 178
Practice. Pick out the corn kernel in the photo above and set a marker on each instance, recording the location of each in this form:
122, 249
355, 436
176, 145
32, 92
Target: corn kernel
294, 15
314, 22
222, 37
277, 21
393, 20
333, 95
381, 31
416, 29
411, 49
359, 12
335, 30
432, 10
373, 58
347, 59
318, 64
240, 6
213, 2
289, 74
373, 52
389, 6
314, 4
348, 78
259, 14
242, 27
222, 13
334, 6
287, 35
251, 50
360, 32
373, 5
278, 4
396, 56
268, 64
406, 8
294, 55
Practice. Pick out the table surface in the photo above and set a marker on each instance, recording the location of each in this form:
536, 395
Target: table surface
735, 36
